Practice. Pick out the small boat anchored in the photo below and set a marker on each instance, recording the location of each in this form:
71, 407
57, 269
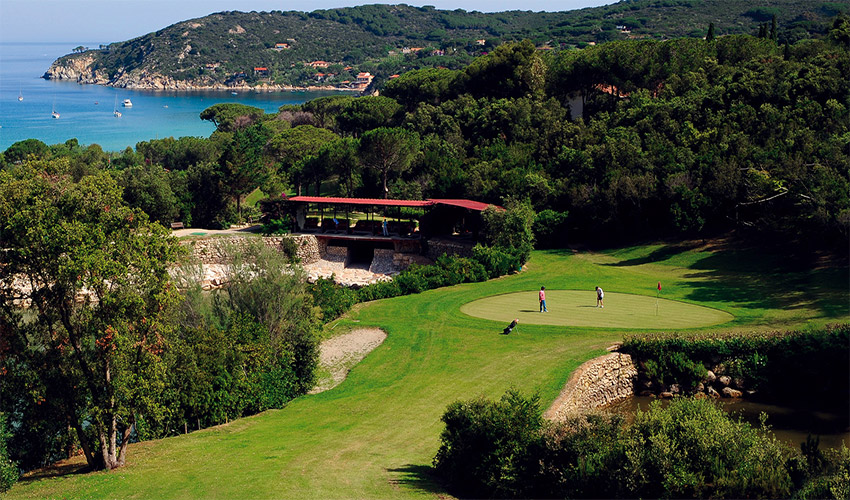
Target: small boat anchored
115, 112
53, 113
20, 95
128, 103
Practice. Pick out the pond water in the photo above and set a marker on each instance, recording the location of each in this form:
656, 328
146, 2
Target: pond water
791, 425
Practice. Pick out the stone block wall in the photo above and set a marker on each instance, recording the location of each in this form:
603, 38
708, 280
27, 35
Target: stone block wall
596, 383
308, 247
437, 247
382, 262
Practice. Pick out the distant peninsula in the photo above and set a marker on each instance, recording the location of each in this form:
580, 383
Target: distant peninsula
359, 48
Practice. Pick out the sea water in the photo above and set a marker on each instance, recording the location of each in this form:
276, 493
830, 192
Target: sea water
86, 111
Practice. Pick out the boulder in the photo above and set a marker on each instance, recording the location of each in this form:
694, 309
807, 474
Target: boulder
700, 388
675, 389
725, 380
646, 393
666, 395
711, 392
729, 392
700, 395
709, 377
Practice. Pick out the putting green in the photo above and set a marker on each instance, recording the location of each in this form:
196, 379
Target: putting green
578, 308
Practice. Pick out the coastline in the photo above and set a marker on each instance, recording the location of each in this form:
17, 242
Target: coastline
188, 87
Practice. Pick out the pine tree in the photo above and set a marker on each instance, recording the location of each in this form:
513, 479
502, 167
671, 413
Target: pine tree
710, 36
773, 28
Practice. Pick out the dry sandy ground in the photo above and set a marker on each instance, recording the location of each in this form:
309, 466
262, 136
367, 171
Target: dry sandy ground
339, 355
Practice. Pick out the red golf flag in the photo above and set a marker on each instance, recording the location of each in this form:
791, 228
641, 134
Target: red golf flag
659, 286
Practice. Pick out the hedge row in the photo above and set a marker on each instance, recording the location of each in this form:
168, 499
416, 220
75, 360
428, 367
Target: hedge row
486, 262
795, 366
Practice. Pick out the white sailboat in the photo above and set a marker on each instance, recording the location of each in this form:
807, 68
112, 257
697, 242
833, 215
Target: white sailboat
20, 95
115, 112
53, 113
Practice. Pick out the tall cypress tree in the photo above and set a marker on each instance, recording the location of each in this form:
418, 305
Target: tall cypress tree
710, 36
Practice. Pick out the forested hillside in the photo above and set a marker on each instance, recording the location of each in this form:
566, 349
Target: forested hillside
679, 137
224, 48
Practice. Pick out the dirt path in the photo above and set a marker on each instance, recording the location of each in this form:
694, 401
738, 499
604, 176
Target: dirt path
340, 354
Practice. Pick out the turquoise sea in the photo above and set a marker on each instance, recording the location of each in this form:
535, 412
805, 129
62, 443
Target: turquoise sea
86, 111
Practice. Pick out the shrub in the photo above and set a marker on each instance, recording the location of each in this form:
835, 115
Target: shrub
550, 229
276, 226
333, 299
689, 449
510, 230
8, 470
496, 260
693, 449
670, 367
485, 447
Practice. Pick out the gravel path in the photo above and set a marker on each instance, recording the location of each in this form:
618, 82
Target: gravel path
339, 355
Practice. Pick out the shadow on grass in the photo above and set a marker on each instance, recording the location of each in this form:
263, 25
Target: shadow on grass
420, 477
758, 277
55, 470
769, 282
658, 255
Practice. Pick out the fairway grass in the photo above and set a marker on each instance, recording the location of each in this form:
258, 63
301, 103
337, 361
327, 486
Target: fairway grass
376, 434
578, 308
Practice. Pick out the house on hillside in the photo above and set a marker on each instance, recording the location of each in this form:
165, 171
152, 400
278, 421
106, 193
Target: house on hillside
261, 71
363, 81
481, 42
319, 64
281, 46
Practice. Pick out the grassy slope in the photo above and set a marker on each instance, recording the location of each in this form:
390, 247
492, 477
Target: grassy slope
375, 435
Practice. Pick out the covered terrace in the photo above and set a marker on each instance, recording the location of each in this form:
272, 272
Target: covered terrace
365, 218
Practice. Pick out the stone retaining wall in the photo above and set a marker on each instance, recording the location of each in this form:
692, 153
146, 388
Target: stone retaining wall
307, 247
436, 248
220, 250
596, 383
318, 258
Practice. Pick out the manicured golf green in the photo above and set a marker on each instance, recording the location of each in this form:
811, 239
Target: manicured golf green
578, 308
376, 434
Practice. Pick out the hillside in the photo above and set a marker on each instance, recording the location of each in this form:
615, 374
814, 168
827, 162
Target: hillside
223, 49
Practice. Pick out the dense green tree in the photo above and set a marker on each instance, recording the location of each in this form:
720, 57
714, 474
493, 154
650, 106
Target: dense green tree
208, 197
229, 117
290, 148
23, 150
148, 189
432, 86
389, 150
512, 70
178, 154
367, 113
100, 357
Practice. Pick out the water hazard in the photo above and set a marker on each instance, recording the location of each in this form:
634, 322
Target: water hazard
791, 425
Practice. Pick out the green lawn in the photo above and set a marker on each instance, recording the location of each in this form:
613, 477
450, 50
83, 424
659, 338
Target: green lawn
374, 436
